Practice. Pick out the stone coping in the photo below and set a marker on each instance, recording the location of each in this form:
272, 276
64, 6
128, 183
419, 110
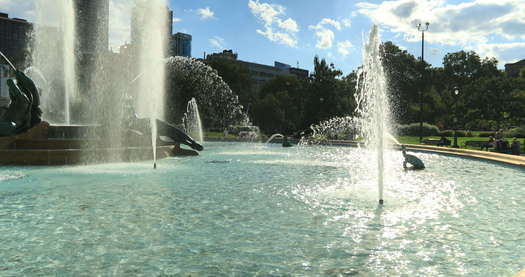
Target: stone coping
486, 155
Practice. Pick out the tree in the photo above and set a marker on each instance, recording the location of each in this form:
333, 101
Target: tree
405, 78
327, 95
237, 76
280, 107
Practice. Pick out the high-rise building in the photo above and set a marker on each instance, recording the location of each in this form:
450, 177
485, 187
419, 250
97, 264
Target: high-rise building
92, 24
181, 45
14, 37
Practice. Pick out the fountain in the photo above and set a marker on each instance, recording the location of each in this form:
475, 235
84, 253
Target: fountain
151, 27
274, 136
192, 121
113, 129
53, 55
218, 105
124, 219
373, 103
333, 129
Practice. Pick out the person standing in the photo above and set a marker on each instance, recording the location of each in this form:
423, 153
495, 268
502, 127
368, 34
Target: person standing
515, 147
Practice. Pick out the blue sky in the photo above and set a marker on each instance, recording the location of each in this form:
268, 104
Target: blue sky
294, 31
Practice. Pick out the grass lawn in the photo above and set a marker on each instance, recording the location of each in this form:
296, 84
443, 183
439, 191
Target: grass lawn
401, 139
461, 140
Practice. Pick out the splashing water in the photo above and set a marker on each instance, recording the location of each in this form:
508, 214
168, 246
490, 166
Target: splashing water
373, 108
334, 128
192, 121
53, 53
219, 107
274, 136
152, 28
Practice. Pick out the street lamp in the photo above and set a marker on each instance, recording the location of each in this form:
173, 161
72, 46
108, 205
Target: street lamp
455, 122
421, 29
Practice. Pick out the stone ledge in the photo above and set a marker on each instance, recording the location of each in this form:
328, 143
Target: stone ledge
492, 156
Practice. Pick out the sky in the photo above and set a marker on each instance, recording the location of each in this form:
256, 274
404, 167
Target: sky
295, 31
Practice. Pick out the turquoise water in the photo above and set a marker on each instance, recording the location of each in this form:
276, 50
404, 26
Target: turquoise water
249, 209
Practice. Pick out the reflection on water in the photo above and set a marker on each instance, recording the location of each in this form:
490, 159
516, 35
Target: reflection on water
269, 210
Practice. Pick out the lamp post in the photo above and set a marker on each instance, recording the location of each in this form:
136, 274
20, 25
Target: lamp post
421, 29
455, 122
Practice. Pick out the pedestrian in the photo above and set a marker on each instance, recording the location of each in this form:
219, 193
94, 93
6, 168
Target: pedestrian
515, 147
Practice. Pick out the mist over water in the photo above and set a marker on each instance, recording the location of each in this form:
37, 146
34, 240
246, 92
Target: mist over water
53, 55
151, 24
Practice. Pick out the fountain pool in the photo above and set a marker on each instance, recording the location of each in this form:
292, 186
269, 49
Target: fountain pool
248, 209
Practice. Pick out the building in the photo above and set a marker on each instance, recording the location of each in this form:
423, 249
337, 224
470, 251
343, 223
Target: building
92, 24
181, 45
261, 73
15, 34
513, 69
225, 54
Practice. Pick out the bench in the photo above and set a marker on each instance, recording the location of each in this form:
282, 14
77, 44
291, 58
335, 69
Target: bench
437, 142
478, 143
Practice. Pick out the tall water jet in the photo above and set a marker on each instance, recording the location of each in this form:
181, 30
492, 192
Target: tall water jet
151, 31
372, 99
70, 76
192, 121
54, 55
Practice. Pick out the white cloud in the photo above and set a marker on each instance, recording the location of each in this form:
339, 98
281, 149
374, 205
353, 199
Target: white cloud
289, 25
328, 21
504, 52
276, 28
347, 22
205, 13
469, 24
21, 9
217, 43
343, 47
176, 19
325, 36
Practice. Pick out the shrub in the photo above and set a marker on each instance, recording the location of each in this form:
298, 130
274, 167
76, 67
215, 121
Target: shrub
447, 133
517, 132
412, 129
460, 133
487, 134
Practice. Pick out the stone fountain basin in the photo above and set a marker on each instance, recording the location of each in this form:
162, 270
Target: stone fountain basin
36, 147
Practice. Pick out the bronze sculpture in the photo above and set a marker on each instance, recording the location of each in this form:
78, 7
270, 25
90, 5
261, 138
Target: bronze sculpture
17, 117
